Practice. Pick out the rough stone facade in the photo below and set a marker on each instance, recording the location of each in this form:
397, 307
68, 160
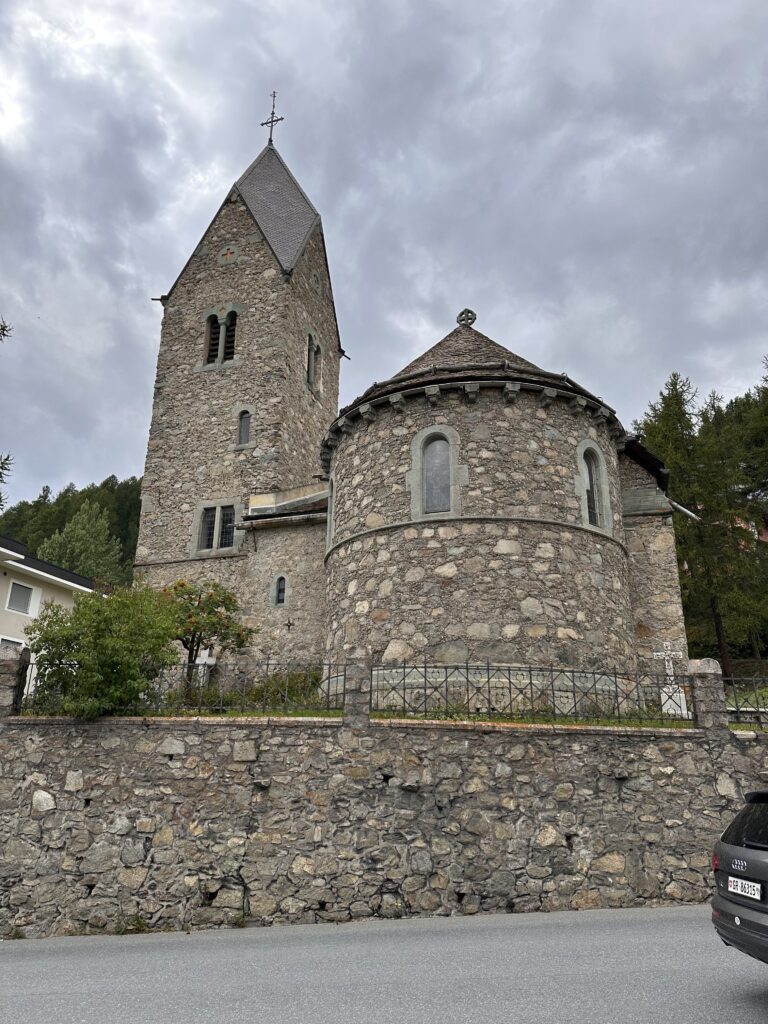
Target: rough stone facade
657, 607
194, 459
201, 823
517, 577
533, 562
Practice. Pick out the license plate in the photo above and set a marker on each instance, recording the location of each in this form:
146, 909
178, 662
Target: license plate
744, 888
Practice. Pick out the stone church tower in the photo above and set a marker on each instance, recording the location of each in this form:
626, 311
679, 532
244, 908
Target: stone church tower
474, 507
247, 383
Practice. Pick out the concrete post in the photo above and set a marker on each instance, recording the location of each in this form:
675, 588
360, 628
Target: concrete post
708, 694
357, 696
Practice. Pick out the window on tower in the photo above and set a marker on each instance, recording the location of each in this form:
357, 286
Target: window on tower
314, 363
244, 427
280, 590
213, 331
230, 329
217, 528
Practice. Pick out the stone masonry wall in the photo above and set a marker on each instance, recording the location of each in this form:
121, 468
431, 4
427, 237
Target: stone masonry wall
193, 456
516, 577
654, 580
295, 631
200, 823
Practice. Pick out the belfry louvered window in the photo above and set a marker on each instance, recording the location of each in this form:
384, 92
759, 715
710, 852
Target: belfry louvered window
213, 332
230, 329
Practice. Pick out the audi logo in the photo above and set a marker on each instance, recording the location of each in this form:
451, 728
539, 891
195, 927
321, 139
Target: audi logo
738, 865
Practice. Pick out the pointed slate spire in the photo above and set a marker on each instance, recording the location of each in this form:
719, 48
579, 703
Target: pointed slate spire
279, 206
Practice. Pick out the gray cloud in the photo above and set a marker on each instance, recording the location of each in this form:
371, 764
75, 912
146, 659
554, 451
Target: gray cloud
588, 177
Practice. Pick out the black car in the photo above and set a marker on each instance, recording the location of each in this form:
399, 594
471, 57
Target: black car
740, 864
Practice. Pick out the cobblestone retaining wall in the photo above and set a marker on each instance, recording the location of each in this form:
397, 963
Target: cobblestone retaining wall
200, 823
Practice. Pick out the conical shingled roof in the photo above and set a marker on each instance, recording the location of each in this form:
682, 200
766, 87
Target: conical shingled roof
278, 205
465, 345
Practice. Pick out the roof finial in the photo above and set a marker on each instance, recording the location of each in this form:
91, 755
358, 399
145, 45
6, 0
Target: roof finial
466, 318
272, 120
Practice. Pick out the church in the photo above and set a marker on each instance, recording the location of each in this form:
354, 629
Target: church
474, 507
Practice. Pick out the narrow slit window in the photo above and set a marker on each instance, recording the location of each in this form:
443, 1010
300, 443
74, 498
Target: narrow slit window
207, 528
230, 328
244, 427
214, 330
280, 590
437, 475
227, 532
594, 497
311, 361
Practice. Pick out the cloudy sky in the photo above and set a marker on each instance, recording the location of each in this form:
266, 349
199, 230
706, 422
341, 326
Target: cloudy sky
590, 176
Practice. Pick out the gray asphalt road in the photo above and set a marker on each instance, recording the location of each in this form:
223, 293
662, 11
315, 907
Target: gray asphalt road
593, 967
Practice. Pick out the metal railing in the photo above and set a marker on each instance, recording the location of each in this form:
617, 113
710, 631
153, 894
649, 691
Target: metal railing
746, 700
528, 693
269, 687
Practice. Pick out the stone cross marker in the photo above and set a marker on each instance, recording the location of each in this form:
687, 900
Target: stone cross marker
673, 700
668, 655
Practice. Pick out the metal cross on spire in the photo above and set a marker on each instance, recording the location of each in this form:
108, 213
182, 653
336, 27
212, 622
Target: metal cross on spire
272, 120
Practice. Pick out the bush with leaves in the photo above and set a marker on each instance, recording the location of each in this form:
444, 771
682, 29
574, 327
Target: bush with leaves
207, 615
103, 656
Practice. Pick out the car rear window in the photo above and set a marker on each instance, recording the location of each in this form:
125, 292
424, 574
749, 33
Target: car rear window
750, 826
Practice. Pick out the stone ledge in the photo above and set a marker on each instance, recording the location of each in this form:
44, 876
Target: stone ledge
529, 727
442, 518
160, 722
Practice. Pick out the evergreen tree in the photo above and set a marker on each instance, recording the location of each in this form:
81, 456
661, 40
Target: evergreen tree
86, 546
718, 554
33, 522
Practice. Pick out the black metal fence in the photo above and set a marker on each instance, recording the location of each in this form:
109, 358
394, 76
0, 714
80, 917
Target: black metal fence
270, 687
528, 693
746, 699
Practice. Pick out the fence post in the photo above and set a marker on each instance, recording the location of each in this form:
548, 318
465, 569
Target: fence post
12, 675
357, 696
708, 694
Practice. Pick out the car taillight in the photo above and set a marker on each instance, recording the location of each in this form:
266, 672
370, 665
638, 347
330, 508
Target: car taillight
715, 861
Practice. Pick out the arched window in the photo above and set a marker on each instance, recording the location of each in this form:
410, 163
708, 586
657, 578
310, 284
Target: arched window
230, 329
314, 363
213, 331
592, 487
280, 590
436, 477
436, 481
244, 427
594, 497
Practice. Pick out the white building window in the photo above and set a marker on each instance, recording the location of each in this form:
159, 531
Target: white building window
21, 599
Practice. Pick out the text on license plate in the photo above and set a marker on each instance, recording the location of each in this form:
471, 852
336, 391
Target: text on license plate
744, 888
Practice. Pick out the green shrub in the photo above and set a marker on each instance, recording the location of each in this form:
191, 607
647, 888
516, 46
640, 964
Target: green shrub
103, 656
